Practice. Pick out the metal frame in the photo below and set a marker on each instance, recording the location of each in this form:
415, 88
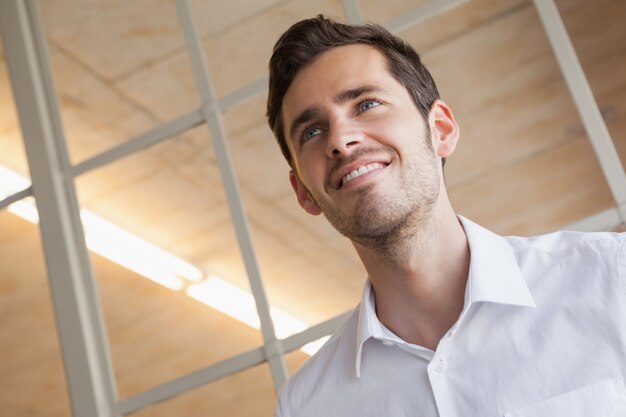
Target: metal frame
212, 116
227, 367
421, 13
585, 102
145, 140
79, 319
27, 192
80, 327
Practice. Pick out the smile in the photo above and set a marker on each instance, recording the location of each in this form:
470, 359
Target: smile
360, 171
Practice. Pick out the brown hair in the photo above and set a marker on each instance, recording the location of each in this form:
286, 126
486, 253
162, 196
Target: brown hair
307, 39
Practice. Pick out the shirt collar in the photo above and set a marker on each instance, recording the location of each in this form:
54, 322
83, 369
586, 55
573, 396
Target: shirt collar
494, 274
494, 277
368, 323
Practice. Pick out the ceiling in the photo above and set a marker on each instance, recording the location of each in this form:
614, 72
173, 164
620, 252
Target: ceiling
524, 166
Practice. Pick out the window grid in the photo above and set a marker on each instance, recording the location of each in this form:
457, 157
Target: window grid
84, 344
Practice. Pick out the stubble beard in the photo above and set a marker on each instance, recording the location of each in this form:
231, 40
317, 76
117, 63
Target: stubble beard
387, 222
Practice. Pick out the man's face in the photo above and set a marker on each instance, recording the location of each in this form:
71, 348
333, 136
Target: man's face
362, 152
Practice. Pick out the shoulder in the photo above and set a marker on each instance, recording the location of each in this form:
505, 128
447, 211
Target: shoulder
334, 362
580, 257
567, 242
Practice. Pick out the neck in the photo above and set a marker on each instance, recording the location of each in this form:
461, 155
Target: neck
419, 279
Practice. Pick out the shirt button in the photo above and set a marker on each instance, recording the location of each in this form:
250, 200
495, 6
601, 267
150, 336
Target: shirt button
387, 343
440, 366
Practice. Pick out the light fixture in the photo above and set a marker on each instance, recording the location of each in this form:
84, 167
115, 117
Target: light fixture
130, 251
239, 304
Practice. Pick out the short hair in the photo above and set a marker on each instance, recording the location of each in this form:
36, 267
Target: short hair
309, 38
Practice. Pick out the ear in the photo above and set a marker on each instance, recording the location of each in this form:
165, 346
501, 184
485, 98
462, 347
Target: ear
302, 194
444, 130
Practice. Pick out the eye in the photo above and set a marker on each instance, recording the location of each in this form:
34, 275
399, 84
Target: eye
310, 133
368, 104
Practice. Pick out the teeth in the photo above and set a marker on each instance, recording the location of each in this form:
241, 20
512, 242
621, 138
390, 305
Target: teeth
362, 170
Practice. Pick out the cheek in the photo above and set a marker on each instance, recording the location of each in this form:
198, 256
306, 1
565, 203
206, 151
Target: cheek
395, 125
311, 175
311, 163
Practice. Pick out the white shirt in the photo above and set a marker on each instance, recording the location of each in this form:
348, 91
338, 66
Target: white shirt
542, 334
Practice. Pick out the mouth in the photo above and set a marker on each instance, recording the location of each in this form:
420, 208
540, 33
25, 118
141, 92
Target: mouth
358, 172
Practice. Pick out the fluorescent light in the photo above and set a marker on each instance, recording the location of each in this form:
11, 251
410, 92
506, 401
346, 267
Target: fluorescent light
11, 182
25, 209
128, 260
227, 299
122, 247
109, 240
143, 252
239, 304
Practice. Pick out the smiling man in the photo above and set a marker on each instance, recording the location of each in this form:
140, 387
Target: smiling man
454, 320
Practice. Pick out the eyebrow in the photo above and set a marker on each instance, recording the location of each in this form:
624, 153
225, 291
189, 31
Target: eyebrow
312, 112
353, 93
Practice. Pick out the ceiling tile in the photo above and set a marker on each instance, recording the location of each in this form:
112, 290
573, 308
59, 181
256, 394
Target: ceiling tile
302, 288
116, 38
8, 115
454, 23
236, 57
112, 38
260, 165
538, 195
95, 117
239, 56
141, 205
13, 155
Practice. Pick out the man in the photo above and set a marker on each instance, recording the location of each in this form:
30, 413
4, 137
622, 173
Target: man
454, 320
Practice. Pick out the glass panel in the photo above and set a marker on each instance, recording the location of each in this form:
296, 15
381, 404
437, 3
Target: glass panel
187, 304
521, 151
597, 34
157, 334
95, 48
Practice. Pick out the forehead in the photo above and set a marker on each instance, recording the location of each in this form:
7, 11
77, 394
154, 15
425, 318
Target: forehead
335, 63
338, 69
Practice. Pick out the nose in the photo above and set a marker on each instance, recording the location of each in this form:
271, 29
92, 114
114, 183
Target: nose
343, 138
